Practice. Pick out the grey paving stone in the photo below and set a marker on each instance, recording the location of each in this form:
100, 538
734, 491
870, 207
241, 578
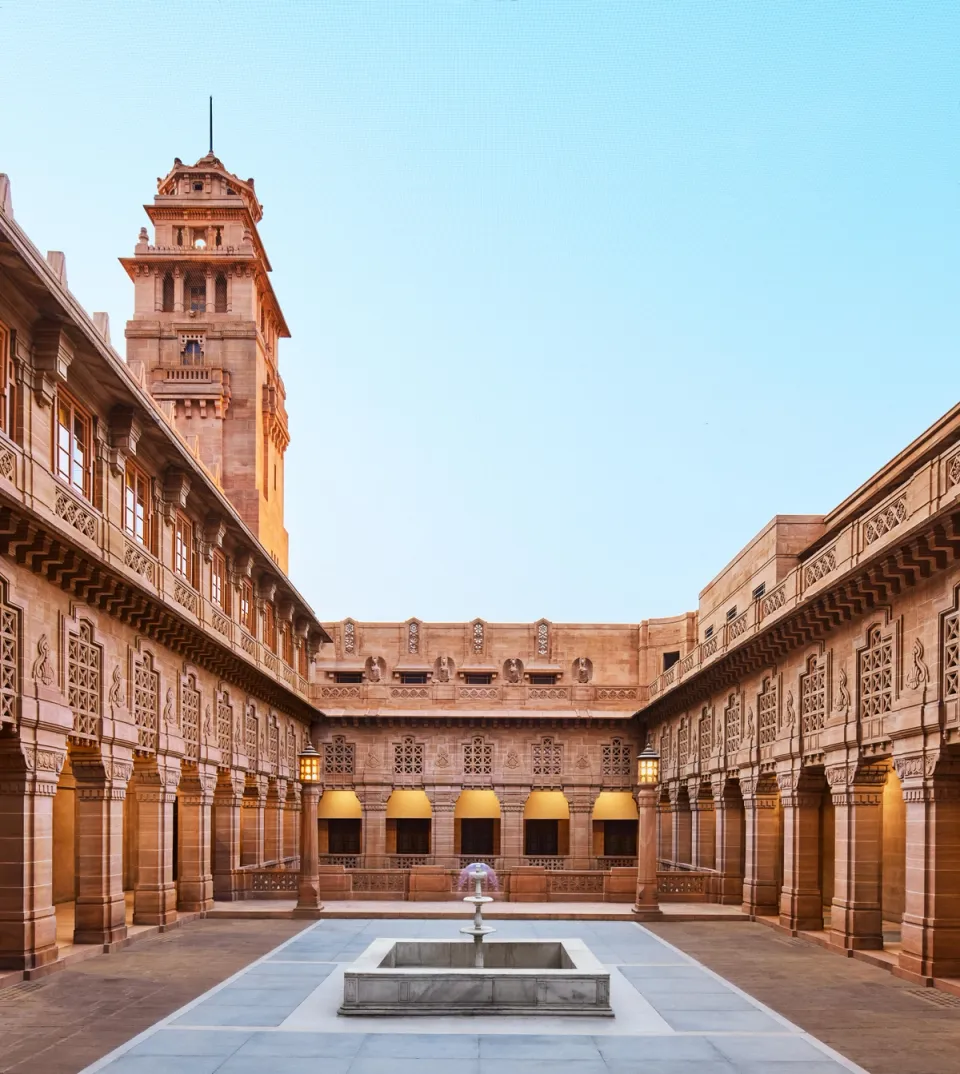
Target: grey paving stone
383, 1065
542, 1066
189, 1042
764, 1051
302, 1045
749, 1021
254, 1064
516, 1046
824, 1066
421, 1045
642, 1065
697, 1001
234, 1016
651, 1048
700, 982
163, 1064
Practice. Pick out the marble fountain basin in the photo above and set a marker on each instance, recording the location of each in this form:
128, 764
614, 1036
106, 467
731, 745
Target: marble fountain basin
433, 977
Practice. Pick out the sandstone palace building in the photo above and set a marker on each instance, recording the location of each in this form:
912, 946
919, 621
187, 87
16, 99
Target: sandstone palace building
159, 671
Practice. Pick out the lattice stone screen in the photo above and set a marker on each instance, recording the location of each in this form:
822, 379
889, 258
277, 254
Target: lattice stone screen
339, 756
951, 655
876, 675
84, 679
767, 712
813, 698
224, 724
146, 703
408, 757
9, 663
547, 758
477, 757
733, 723
190, 717
616, 758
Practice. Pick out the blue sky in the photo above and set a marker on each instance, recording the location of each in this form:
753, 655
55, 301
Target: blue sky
582, 292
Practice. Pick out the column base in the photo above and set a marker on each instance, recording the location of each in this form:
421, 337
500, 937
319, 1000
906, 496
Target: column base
155, 907
309, 913
856, 930
646, 913
100, 922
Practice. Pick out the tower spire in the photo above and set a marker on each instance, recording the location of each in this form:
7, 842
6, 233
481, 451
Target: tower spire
211, 124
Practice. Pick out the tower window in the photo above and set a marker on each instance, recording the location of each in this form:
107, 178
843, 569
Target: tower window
198, 187
191, 350
220, 289
167, 293
218, 240
179, 236
195, 291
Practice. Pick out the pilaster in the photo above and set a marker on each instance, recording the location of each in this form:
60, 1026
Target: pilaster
227, 802
251, 820
728, 842
194, 811
801, 901
155, 894
762, 850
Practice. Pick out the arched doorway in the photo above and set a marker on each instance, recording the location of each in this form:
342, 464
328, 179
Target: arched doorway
340, 827
615, 821
476, 824
409, 817
546, 825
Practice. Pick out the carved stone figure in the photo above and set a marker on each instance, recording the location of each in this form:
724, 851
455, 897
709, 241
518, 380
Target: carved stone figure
513, 759
116, 686
843, 694
42, 669
583, 670
443, 670
169, 715
919, 673
790, 715
208, 722
513, 671
443, 758
373, 674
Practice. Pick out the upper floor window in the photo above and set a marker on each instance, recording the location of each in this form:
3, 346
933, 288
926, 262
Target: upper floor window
136, 504
478, 678
191, 349
183, 548
269, 627
219, 591
246, 605
167, 296
348, 676
542, 680
286, 643
219, 288
302, 658
195, 293
669, 659
731, 613
708, 633
74, 444
413, 678
8, 383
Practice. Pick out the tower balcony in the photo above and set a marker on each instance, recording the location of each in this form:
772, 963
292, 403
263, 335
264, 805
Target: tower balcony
194, 390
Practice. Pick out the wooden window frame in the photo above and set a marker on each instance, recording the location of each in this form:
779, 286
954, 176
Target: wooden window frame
8, 383
183, 552
140, 478
269, 627
219, 583
247, 608
77, 413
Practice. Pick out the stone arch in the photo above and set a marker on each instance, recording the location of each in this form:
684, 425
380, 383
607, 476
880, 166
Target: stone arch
476, 824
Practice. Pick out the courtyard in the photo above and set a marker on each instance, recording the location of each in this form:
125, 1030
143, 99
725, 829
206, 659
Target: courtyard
243, 996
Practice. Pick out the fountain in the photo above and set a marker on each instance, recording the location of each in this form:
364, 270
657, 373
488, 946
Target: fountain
477, 930
395, 976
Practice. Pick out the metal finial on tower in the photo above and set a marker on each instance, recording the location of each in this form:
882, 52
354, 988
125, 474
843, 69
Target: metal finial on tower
211, 125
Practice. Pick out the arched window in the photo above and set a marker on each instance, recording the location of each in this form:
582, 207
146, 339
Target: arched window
220, 294
195, 293
168, 293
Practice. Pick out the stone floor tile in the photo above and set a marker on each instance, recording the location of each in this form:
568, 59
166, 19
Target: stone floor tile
254, 1064
643, 1065
697, 1001
785, 1050
516, 1046
696, 1049
822, 1066
542, 1066
302, 1045
164, 1064
384, 1065
421, 1045
204, 1015
697, 1021
189, 1042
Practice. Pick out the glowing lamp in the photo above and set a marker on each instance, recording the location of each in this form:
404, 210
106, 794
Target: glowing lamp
648, 767
309, 762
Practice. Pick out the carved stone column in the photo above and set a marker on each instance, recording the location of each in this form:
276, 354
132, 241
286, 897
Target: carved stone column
194, 812
227, 801
101, 915
291, 821
667, 851
762, 852
682, 824
931, 920
442, 842
581, 829
512, 802
801, 901
155, 894
704, 827
273, 820
308, 892
374, 802
727, 885
251, 821
856, 916
28, 922
647, 906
